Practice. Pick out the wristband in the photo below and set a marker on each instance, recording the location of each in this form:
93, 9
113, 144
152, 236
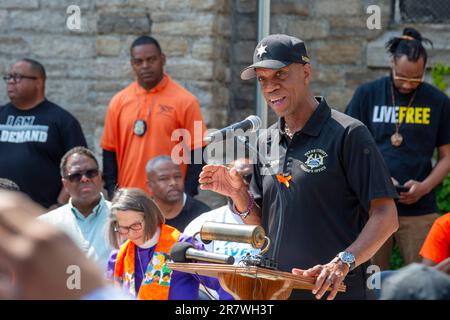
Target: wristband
251, 202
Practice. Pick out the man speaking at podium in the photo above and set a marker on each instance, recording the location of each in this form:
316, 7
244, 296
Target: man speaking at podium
339, 196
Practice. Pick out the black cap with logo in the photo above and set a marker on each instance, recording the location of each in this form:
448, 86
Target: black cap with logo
276, 51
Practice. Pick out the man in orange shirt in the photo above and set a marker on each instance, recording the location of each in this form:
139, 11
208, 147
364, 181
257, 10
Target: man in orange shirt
436, 247
141, 120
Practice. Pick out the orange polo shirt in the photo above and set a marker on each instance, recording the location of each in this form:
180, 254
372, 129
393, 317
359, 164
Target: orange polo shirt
437, 244
165, 108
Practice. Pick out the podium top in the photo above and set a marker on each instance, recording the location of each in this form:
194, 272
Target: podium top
213, 270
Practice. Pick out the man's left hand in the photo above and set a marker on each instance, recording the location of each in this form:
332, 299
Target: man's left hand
416, 191
329, 275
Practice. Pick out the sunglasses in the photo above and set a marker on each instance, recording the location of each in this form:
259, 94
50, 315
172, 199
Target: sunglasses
414, 80
76, 177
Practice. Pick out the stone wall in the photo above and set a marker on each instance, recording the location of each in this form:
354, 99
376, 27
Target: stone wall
344, 52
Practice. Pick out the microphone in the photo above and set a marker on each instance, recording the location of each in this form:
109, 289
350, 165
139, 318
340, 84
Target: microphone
243, 233
251, 124
184, 251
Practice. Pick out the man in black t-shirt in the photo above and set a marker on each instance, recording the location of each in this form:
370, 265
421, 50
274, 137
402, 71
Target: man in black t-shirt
338, 195
34, 135
165, 181
408, 119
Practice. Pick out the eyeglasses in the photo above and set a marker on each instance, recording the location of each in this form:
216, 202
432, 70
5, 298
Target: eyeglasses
124, 230
17, 77
414, 80
76, 177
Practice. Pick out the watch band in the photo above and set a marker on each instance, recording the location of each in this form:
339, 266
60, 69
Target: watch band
351, 265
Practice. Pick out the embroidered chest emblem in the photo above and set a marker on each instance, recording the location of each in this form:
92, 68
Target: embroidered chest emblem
315, 161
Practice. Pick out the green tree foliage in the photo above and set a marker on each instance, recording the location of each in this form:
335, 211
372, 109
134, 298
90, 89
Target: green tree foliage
440, 75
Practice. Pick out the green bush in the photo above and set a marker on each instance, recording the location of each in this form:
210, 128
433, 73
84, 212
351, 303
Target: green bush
443, 195
440, 73
396, 261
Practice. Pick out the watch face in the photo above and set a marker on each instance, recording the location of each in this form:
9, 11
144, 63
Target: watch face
347, 257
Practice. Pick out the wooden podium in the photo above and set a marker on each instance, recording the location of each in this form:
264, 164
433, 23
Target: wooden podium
250, 283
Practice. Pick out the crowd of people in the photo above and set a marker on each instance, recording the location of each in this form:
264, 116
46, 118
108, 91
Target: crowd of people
353, 183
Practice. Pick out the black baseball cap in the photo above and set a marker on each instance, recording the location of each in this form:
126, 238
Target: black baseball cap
275, 52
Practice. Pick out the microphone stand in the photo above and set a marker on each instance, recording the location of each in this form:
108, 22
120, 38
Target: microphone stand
270, 263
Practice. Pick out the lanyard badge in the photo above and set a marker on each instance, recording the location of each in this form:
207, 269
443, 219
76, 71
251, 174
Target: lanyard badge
140, 127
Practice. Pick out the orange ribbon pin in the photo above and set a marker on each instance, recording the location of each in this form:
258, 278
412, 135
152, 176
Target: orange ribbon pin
284, 179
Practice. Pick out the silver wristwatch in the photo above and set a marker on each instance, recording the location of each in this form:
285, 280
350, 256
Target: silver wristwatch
347, 258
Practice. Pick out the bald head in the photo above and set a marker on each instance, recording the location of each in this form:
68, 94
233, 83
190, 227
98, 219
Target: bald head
153, 163
6, 184
165, 180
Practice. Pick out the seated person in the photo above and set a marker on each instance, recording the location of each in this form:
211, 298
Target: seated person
84, 218
166, 184
139, 266
416, 282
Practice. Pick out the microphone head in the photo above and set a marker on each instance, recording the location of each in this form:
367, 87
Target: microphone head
178, 251
256, 122
244, 125
229, 260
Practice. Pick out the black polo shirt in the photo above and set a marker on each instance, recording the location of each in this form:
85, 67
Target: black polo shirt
336, 171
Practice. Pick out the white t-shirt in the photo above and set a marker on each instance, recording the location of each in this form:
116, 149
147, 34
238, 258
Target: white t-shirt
224, 215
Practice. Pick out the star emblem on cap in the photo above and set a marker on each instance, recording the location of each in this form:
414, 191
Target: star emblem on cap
261, 50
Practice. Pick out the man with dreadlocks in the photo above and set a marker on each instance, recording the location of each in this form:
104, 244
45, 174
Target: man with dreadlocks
408, 119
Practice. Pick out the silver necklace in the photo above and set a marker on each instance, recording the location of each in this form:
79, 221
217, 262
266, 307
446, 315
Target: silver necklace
140, 263
288, 131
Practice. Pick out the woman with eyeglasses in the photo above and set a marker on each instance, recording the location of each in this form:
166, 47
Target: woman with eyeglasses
137, 230
408, 119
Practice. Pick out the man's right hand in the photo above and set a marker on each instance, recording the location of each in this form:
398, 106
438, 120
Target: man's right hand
220, 179
229, 182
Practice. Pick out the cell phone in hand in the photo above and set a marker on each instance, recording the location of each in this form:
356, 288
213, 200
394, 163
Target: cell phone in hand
401, 188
